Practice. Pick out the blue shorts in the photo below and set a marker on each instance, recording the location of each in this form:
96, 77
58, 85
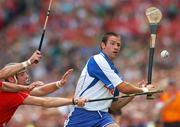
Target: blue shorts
84, 118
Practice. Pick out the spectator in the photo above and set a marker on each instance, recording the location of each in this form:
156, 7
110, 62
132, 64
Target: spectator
171, 105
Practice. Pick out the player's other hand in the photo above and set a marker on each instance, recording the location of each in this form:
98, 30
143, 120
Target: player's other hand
31, 87
65, 77
34, 84
35, 58
151, 87
80, 102
143, 84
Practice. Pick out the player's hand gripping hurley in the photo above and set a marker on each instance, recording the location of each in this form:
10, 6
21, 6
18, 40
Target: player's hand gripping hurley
154, 16
44, 28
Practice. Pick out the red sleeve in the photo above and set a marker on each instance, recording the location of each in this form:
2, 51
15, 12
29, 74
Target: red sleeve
16, 99
9, 103
24, 94
1, 84
10, 99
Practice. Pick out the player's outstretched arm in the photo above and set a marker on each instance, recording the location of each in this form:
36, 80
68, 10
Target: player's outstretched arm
50, 102
128, 88
13, 69
121, 102
11, 87
51, 87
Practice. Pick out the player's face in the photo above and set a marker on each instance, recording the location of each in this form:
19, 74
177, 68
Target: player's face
112, 47
23, 78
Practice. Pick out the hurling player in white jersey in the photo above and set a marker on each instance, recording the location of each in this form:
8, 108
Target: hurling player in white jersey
100, 79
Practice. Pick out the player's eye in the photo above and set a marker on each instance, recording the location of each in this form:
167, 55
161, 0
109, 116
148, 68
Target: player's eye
118, 44
112, 42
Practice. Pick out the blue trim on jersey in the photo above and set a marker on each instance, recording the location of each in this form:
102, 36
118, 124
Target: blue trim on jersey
91, 85
95, 71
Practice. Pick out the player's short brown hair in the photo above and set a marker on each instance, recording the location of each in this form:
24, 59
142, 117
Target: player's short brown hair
106, 36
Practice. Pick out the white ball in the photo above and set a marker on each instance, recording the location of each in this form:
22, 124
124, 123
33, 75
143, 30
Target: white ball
164, 54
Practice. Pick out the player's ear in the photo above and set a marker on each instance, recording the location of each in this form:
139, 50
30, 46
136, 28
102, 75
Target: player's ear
11, 79
102, 45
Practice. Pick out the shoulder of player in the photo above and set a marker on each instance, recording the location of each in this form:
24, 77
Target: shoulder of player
96, 60
15, 93
99, 58
24, 92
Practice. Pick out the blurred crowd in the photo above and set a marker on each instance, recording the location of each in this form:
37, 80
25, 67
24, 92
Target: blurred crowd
73, 33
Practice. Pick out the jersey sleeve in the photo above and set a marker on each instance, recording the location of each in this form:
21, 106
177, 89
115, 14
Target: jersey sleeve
19, 98
98, 67
24, 94
1, 84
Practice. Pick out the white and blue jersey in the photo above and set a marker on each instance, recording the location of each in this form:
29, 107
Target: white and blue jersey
98, 79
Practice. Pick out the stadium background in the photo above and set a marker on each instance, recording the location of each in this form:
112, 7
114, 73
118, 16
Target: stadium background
73, 33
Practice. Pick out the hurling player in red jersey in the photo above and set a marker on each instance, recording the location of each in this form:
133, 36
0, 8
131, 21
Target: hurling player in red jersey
10, 101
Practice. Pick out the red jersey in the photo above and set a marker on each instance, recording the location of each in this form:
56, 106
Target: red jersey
9, 102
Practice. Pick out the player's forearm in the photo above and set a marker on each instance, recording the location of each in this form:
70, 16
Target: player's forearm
11, 87
116, 105
128, 88
10, 70
45, 89
53, 101
56, 102
13, 69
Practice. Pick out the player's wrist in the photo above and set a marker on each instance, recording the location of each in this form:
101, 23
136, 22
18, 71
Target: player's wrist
58, 84
21, 87
26, 88
74, 101
26, 63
